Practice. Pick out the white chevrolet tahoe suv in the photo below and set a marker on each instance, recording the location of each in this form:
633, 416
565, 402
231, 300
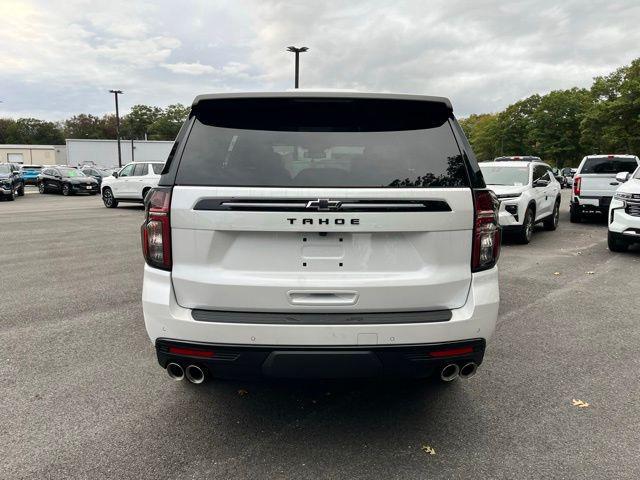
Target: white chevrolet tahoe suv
595, 183
528, 192
624, 212
320, 235
131, 183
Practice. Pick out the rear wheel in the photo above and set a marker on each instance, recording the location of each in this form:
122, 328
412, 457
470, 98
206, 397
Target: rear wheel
42, 188
526, 231
108, 199
616, 244
66, 190
574, 215
551, 223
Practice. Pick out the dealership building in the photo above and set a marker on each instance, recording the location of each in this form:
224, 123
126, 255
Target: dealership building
34, 154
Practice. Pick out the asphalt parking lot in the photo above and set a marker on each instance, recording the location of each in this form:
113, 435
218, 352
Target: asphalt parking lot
82, 395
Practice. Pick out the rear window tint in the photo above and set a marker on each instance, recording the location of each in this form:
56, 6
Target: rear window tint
609, 165
322, 143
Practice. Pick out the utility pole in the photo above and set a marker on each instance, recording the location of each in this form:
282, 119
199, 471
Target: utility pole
297, 51
115, 94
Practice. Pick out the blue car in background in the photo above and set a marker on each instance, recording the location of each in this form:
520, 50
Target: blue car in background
30, 174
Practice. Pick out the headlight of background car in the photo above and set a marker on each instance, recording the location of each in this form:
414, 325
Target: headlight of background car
623, 196
505, 196
5, 182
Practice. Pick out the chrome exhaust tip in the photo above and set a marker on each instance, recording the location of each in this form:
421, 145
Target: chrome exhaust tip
175, 371
194, 374
449, 372
468, 370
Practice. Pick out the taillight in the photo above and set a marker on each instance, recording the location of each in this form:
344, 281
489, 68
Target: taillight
486, 231
576, 185
156, 229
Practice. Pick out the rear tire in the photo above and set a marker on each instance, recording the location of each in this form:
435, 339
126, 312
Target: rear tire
526, 231
616, 244
551, 223
66, 190
108, 199
574, 215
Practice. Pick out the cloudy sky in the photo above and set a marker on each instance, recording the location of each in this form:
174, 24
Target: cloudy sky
59, 58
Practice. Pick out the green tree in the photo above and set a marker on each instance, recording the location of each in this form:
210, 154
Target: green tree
515, 124
612, 124
5, 124
35, 132
83, 126
139, 120
555, 131
484, 134
168, 124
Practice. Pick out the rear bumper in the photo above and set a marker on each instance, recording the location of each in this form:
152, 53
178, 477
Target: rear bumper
591, 203
245, 362
165, 319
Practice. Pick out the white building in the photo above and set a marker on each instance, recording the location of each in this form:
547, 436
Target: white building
104, 153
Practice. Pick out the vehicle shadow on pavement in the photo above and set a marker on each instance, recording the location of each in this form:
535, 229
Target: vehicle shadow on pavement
337, 422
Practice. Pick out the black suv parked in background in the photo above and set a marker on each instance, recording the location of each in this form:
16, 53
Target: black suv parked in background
66, 181
11, 181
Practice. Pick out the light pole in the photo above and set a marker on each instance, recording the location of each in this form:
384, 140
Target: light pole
115, 94
297, 51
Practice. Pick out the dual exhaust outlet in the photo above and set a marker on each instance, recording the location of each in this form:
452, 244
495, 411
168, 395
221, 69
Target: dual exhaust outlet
452, 371
193, 373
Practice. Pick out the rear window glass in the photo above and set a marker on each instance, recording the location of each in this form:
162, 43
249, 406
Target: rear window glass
322, 143
157, 168
609, 165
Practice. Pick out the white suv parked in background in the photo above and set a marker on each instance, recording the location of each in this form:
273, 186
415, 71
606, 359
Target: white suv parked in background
131, 183
624, 213
528, 192
311, 234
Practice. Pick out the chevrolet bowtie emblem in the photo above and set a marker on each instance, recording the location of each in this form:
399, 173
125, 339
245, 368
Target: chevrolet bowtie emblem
323, 205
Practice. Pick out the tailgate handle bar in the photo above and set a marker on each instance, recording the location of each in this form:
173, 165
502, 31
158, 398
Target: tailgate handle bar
322, 297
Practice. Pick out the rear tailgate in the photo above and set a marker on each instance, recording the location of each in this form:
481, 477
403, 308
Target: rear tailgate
321, 204
278, 261
598, 185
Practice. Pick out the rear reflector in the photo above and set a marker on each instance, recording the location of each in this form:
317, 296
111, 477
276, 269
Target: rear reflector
451, 352
191, 352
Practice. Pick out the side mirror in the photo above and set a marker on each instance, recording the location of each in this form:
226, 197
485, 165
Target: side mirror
622, 177
115, 174
559, 178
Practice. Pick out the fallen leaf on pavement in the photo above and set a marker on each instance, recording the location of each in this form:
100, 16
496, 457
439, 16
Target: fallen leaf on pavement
579, 403
590, 273
242, 392
556, 273
428, 450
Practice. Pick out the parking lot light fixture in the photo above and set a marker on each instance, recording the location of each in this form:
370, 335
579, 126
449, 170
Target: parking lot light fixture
115, 94
297, 51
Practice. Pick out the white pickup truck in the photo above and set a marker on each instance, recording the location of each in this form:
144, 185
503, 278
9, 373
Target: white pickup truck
595, 183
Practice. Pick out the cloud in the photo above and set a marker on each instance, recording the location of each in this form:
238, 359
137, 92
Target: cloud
189, 68
60, 57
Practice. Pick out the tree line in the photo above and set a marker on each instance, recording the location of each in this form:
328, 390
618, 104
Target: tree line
143, 121
564, 125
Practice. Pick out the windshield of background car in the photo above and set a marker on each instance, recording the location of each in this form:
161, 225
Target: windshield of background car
70, 173
502, 175
5, 169
320, 142
31, 169
609, 165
